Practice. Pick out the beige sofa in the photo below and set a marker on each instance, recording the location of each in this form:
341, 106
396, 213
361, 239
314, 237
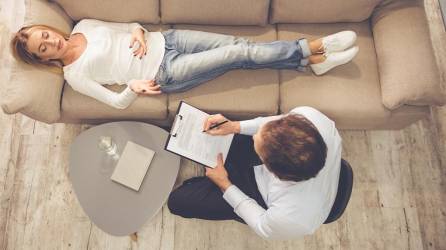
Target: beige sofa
391, 83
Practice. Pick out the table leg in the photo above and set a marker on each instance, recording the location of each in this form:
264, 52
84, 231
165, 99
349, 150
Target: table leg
134, 236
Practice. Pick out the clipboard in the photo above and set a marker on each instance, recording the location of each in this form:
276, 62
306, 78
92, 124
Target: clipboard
172, 132
179, 127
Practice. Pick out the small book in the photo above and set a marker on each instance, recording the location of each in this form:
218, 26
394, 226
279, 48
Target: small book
132, 165
188, 140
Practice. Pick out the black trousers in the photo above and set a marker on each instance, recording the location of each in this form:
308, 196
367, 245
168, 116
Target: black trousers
199, 197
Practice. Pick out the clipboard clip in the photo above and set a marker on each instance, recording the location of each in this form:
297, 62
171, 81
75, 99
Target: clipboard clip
176, 125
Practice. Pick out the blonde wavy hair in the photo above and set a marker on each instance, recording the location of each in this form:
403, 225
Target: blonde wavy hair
21, 53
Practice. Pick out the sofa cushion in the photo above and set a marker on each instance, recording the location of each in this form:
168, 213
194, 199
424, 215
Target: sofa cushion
36, 92
228, 12
408, 71
76, 106
79, 107
44, 12
321, 11
349, 94
238, 93
144, 11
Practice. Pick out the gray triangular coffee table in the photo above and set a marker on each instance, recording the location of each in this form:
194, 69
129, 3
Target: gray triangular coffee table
114, 208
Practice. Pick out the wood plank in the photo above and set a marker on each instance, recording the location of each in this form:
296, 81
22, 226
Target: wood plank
159, 232
9, 148
23, 200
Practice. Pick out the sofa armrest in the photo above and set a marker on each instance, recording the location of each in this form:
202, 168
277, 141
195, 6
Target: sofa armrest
29, 90
407, 68
33, 92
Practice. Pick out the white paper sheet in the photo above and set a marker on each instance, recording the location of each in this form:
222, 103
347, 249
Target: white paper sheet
188, 139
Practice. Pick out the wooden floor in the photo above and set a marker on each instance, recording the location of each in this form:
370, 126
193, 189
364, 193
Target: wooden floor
398, 201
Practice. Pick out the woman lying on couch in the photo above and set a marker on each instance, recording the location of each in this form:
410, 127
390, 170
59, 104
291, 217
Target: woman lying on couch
98, 53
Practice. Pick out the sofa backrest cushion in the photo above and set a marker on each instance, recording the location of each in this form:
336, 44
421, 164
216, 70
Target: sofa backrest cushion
143, 11
321, 11
227, 12
43, 12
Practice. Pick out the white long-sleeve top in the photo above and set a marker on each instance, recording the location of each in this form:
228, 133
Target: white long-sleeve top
294, 208
107, 59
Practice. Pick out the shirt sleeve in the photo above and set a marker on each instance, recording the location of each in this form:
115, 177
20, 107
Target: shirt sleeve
125, 27
250, 127
268, 223
95, 90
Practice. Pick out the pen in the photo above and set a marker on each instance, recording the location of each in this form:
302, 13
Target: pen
216, 125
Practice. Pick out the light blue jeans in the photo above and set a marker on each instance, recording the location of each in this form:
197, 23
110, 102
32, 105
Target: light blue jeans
194, 57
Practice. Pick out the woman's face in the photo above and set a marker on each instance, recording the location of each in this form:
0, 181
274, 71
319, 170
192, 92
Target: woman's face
46, 44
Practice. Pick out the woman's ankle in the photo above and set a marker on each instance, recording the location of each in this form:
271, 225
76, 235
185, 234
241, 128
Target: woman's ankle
316, 46
318, 58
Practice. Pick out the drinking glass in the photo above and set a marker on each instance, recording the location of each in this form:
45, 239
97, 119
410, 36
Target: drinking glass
108, 146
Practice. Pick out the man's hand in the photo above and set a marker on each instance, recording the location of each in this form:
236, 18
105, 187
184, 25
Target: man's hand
230, 127
219, 175
138, 36
145, 87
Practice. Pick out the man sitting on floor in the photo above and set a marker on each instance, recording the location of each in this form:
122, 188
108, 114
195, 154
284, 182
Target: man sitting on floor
281, 175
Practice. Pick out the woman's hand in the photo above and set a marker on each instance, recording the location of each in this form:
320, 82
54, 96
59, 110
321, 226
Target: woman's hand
145, 87
138, 36
230, 127
219, 175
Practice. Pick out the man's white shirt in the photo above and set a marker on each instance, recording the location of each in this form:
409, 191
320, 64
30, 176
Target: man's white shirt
294, 208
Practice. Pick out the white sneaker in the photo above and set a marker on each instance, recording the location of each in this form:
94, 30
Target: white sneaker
338, 42
334, 59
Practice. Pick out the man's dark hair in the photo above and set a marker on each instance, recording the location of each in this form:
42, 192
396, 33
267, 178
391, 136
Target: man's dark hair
292, 148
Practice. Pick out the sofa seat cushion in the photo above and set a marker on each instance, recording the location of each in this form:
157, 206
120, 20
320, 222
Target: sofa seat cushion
143, 11
77, 106
349, 94
238, 93
228, 12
